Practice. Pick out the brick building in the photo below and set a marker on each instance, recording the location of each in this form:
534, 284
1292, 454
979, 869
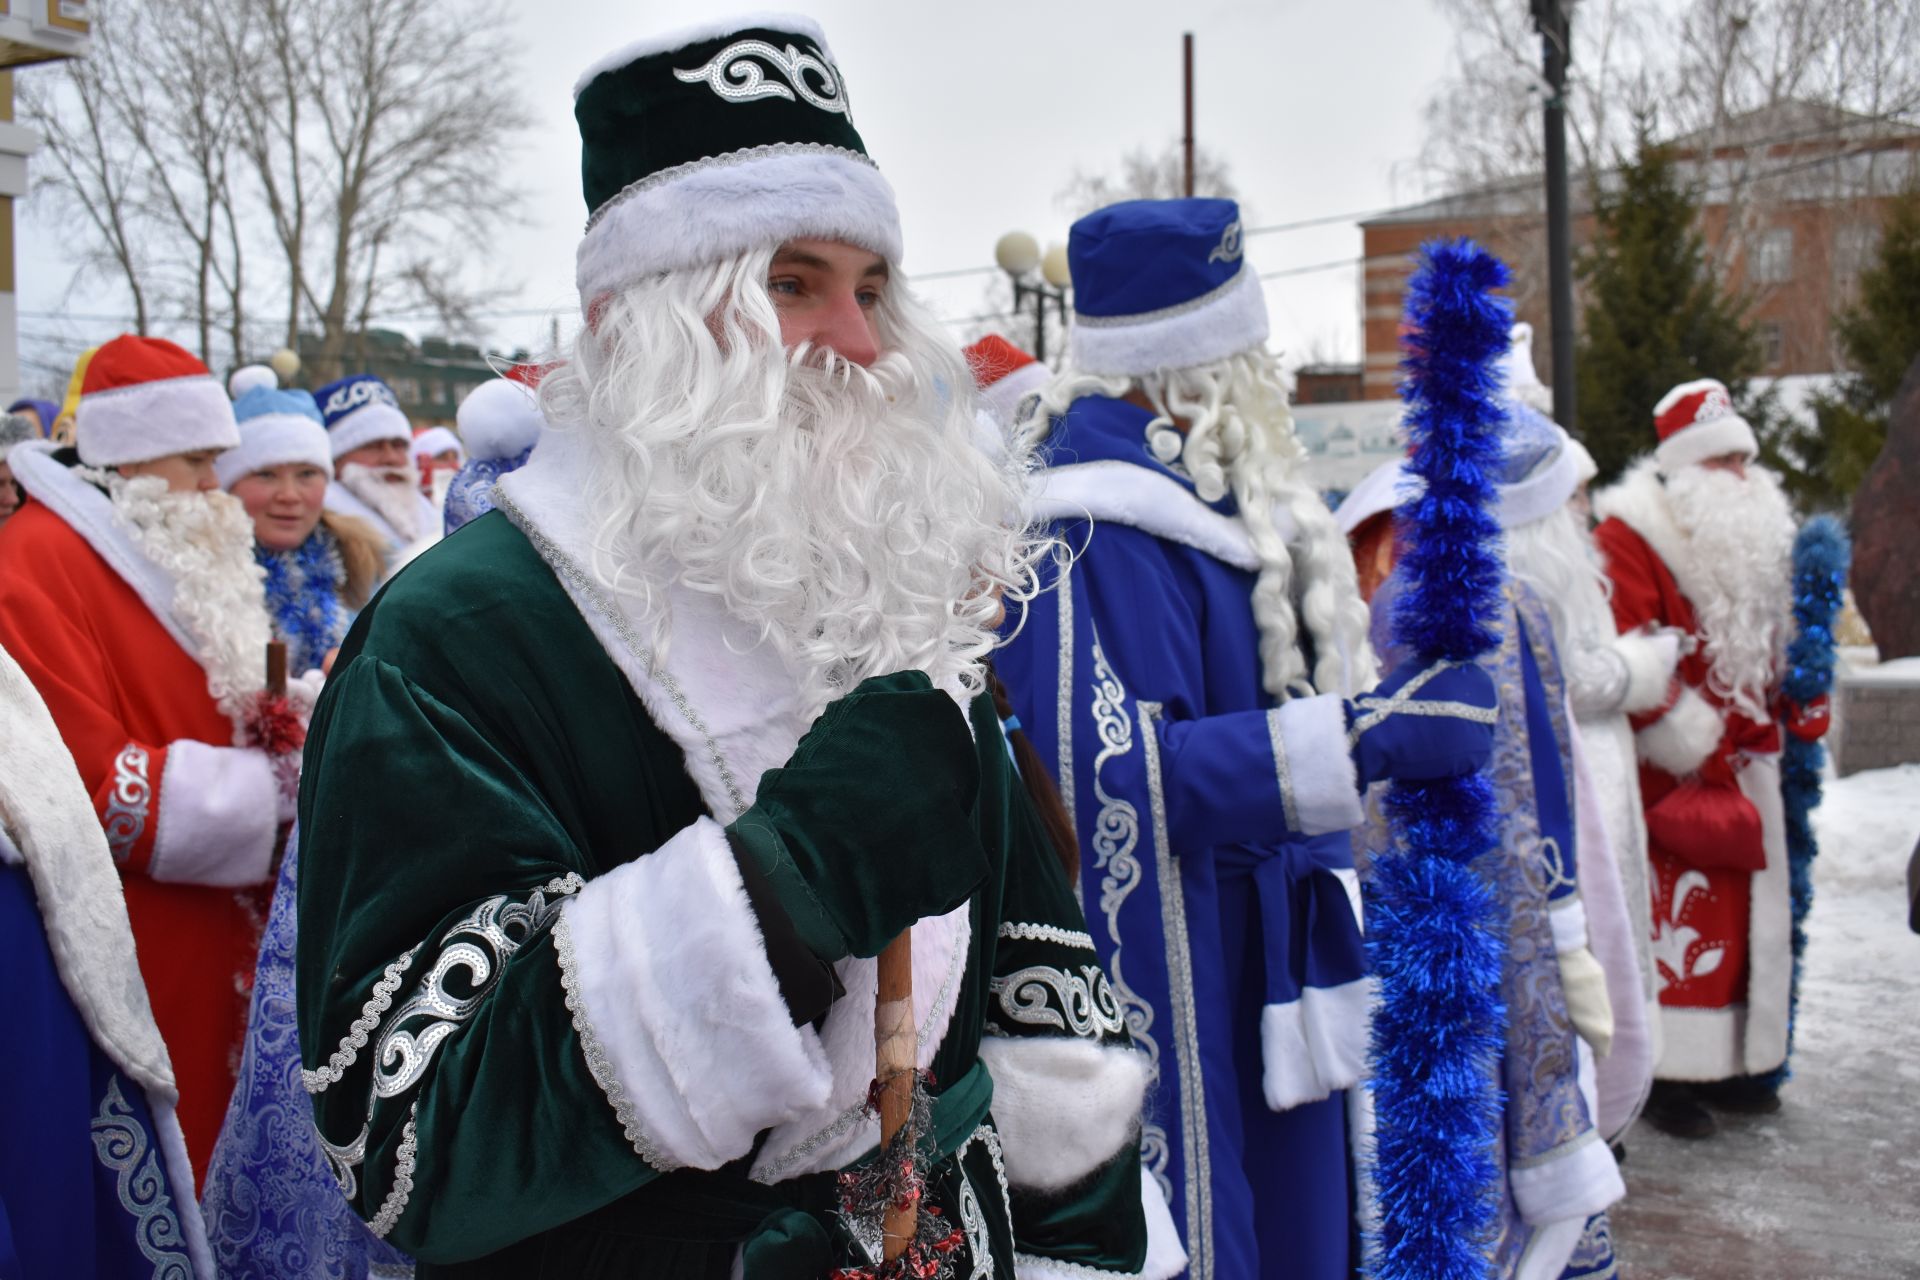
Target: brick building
1791, 198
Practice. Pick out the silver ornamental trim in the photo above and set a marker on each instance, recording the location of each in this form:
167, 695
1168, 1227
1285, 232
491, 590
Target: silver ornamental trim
735, 75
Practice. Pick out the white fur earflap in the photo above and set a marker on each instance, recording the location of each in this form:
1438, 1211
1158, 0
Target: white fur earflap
1650, 658
500, 418
1226, 322
1681, 740
650, 951
715, 208
1064, 1106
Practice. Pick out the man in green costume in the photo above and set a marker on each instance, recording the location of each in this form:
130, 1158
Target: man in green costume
613, 797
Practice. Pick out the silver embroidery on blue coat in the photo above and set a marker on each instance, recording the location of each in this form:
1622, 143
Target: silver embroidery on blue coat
1186, 1019
120, 1142
1116, 836
734, 74
128, 802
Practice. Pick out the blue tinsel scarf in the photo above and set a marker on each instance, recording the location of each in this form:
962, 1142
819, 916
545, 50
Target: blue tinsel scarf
1434, 933
303, 597
1822, 555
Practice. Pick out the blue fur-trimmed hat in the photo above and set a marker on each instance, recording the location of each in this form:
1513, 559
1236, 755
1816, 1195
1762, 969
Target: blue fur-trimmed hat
360, 409
276, 427
717, 139
1161, 284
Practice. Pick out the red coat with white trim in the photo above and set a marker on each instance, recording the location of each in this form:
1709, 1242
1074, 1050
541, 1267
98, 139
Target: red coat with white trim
192, 821
1714, 840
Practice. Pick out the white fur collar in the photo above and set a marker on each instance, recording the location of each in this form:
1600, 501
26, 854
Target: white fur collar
734, 714
60, 840
1639, 501
89, 513
1141, 498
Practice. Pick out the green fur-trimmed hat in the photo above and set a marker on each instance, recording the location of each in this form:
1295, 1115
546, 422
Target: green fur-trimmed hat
717, 139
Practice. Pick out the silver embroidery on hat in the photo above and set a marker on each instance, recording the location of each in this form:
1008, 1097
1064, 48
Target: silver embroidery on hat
1229, 249
734, 75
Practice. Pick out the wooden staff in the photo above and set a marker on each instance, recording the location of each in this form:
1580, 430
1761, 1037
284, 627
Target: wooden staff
894, 1044
277, 668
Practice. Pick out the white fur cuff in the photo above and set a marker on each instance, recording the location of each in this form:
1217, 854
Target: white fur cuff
1166, 1258
1225, 323
677, 1007
1649, 661
1063, 1106
1318, 784
1681, 740
219, 813
1315, 1046
1577, 1180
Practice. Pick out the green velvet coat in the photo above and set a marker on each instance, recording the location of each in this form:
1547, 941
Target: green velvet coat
476, 760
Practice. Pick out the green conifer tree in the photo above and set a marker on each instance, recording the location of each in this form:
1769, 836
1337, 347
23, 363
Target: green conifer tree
1655, 316
1880, 335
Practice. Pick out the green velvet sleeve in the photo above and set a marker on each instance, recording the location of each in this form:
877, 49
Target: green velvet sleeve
453, 1093
1050, 996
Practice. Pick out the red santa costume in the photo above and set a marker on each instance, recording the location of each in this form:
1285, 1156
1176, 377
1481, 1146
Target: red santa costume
1707, 551
138, 616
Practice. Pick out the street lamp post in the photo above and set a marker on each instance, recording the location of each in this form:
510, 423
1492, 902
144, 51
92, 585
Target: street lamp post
1018, 254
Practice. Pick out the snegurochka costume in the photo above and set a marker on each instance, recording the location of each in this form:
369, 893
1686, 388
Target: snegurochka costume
1212, 819
305, 585
192, 820
584, 971
1558, 1175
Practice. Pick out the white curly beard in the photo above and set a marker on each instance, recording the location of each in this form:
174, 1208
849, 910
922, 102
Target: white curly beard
204, 543
391, 492
1738, 575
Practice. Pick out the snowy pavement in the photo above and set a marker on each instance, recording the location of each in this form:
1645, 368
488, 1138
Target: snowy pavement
1829, 1188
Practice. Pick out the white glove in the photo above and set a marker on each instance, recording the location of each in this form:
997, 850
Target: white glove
1585, 984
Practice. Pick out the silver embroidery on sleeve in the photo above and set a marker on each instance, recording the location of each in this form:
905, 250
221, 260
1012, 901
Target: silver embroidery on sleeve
1086, 1004
734, 74
1283, 773
1186, 1029
316, 1081
501, 927
129, 801
402, 1189
1047, 933
598, 1064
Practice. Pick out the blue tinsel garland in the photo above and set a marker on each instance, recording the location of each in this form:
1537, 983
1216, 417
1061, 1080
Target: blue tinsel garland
1434, 931
1821, 557
303, 597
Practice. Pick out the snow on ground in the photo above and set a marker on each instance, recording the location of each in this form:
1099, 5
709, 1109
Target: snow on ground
1828, 1189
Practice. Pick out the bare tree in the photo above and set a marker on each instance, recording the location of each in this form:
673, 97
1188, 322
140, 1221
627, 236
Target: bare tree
354, 146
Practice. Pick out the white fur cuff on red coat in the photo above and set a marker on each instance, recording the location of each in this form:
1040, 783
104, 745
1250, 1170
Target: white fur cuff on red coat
219, 816
1681, 740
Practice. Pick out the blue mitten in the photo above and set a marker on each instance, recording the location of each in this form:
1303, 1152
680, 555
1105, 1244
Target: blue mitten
1423, 723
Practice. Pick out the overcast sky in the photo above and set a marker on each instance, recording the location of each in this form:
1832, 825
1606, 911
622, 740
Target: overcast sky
980, 114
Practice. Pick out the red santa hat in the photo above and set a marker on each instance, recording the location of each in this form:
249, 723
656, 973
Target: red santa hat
147, 398
1696, 421
1006, 375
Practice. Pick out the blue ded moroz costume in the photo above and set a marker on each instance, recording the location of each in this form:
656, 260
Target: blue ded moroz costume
1187, 676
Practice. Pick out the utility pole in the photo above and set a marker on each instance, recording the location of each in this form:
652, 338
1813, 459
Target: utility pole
1554, 20
1186, 137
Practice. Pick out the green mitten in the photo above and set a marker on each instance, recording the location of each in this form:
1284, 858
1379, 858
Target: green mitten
869, 826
